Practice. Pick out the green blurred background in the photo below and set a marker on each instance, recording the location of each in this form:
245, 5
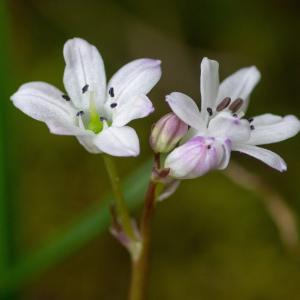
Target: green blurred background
213, 239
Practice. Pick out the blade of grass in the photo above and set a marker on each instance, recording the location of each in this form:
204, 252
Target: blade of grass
91, 224
7, 241
3, 202
8, 235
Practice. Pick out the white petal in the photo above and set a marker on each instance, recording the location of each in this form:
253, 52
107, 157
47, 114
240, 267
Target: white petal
266, 119
225, 152
186, 109
118, 141
135, 78
88, 143
196, 157
84, 66
227, 126
239, 85
274, 132
268, 157
135, 107
209, 85
44, 102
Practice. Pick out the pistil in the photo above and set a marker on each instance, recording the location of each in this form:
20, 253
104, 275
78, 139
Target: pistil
95, 123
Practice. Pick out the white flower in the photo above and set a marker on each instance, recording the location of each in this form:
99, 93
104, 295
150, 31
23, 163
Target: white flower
93, 111
219, 127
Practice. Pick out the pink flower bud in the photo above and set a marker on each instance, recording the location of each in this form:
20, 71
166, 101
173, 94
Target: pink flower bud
198, 156
166, 133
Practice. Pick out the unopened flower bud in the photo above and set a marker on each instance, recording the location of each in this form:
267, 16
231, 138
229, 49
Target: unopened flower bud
198, 156
166, 133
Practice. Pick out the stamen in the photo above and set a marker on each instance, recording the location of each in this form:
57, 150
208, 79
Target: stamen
210, 111
113, 105
80, 113
235, 115
208, 147
223, 104
111, 92
236, 105
250, 120
85, 88
102, 119
66, 97
252, 127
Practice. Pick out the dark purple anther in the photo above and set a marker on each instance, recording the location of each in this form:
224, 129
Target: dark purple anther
210, 111
236, 105
111, 92
66, 97
223, 104
85, 88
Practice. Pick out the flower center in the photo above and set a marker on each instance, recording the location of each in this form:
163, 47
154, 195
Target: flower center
226, 105
93, 120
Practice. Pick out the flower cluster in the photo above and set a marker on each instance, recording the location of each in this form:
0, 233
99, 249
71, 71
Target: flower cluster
195, 140
219, 127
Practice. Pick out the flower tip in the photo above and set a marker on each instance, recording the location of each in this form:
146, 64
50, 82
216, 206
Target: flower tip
283, 168
127, 153
169, 97
77, 39
151, 62
206, 62
255, 69
13, 97
205, 59
156, 62
134, 153
151, 109
295, 120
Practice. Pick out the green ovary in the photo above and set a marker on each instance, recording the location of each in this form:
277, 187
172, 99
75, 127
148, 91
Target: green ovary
95, 124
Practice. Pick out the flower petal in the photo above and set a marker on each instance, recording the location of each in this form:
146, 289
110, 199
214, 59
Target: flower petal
135, 107
227, 126
186, 109
266, 119
196, 157
239, 85
169, 189
118, 141
44, 102
84, 75
268, 157
88, 143
226, 148
274, 132
209, 85
135, 78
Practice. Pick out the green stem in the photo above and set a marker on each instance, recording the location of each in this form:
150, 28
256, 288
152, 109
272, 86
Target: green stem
119, 201
140, 264
69, 240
